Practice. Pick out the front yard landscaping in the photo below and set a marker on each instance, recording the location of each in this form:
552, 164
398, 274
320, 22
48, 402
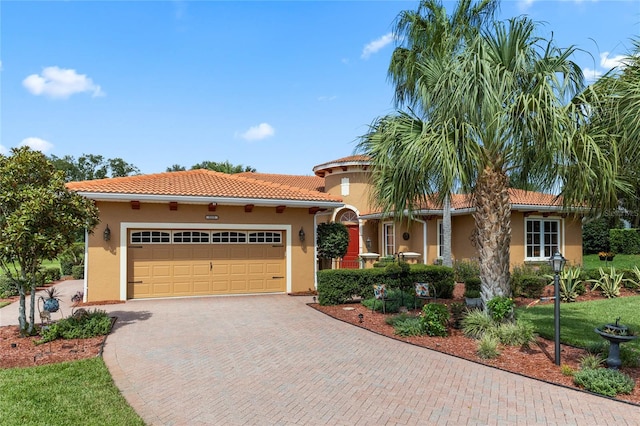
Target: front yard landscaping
582, 349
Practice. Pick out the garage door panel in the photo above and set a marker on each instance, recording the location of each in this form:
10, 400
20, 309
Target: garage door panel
182, 288
165, 270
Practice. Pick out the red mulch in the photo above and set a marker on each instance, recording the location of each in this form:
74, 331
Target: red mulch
537, 361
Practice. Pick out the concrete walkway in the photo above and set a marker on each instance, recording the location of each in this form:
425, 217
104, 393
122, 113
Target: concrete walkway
260, 360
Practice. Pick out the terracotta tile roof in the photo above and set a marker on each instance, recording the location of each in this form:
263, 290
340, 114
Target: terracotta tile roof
519, 198
200, 183
312, 183
358, 160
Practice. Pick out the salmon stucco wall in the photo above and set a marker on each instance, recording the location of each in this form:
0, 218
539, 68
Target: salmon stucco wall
104, 272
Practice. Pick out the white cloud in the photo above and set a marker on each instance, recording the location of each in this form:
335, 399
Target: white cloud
256, 133
60, 83
37, 144
591, 75
4, 150
376, 45
608, 63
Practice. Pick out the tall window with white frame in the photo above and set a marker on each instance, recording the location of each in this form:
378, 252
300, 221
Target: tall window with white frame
542, 238
389, 239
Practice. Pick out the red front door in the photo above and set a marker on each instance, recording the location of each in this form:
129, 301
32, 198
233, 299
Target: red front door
350, 260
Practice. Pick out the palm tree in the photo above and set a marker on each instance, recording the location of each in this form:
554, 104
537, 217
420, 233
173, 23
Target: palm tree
429, 33
499, 109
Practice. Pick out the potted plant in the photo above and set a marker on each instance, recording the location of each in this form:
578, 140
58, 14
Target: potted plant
606, 255
472, 292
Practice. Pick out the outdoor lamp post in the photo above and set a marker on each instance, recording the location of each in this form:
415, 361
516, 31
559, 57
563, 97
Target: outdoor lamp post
557, 262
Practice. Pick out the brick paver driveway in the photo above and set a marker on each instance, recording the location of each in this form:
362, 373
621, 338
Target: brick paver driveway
273, 360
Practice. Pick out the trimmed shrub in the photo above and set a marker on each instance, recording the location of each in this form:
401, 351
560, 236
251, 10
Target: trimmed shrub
501, 308
77, 272
595, 234
50, 274
625, 241
532, 286
339, 286
394, 301
604, 381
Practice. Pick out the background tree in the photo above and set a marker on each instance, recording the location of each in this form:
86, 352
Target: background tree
176, 168
90, 167
224, 167
498, 109
39, 218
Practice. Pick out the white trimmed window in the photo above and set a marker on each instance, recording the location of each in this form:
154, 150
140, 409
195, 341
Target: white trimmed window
183, 237
542, 238
151, 237
265, 237
389, 236
228, 237
344, 186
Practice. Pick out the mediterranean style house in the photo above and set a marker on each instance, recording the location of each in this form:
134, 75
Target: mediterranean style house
199, 232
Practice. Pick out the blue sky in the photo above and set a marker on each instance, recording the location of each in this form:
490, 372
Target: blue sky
280, 86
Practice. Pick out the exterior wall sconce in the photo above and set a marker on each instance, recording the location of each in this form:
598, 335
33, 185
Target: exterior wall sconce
367, 243
301, 234
107, 233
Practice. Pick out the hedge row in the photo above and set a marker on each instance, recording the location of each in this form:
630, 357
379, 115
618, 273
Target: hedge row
337, 286
625, 241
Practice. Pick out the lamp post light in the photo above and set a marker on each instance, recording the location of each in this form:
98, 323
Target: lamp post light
557, 262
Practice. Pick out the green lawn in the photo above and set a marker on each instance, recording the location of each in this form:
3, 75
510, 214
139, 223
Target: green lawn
620, 261
71, 393
577, 320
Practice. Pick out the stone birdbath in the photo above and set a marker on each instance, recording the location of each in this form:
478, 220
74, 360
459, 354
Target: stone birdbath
615, 334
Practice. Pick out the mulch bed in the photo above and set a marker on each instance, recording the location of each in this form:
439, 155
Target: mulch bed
536, 362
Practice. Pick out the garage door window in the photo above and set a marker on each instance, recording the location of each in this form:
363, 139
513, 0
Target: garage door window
151, 237
183, 237
265, 237
228, 237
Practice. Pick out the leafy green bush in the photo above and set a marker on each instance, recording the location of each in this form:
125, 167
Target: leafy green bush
396, 298
477, 323
595, 234
50, 274
630, 356
8, 287
434, 319
72, 256
77, 272
570, 284
332, 240
472, 287
411, 326
337, 286
625, 241
466, 269
532, 286
93, 323
501, 308
394, 319
604, 381
488, 347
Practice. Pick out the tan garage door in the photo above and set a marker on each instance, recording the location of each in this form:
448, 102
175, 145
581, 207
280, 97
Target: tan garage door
163, 265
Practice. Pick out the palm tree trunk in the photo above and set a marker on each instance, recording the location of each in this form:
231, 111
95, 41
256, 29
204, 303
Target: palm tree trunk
493, 233
446, 232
